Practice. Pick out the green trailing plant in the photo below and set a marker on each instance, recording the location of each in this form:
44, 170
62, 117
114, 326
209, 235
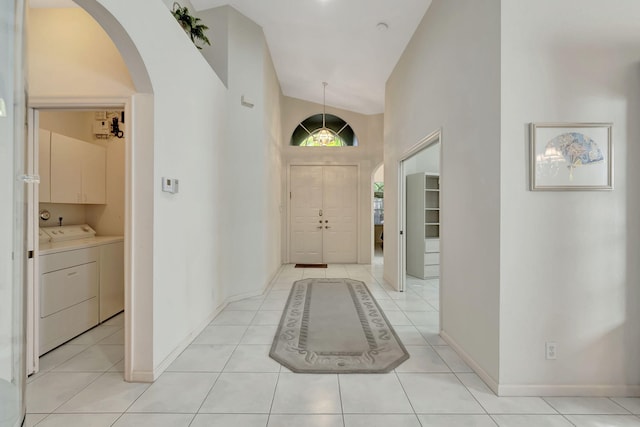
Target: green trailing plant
191, 25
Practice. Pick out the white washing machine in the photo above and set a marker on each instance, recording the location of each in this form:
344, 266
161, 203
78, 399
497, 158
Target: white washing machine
81, 282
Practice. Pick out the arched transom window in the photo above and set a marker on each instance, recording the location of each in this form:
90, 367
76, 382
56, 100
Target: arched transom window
334, 132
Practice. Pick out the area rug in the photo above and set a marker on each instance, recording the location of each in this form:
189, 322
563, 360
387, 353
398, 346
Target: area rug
311, 266
335, 326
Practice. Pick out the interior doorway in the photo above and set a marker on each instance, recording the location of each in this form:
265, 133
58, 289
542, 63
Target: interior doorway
62, 140
420, 212
323, 214
378, 212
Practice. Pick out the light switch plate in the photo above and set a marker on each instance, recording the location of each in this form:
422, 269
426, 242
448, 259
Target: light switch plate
169, 185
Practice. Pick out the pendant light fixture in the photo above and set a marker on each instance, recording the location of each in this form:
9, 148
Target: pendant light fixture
324, 136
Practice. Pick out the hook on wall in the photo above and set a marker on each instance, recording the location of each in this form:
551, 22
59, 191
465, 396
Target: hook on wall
115, 128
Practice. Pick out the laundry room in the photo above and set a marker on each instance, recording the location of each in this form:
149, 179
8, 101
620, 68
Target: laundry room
81, 163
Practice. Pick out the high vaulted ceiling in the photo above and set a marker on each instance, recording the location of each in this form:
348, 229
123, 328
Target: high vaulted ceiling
337, 41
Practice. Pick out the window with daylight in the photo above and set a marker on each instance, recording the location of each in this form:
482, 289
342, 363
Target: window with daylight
324, 130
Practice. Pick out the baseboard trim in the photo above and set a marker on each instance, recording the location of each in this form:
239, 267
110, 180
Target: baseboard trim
158, 370
147, 377
520, 390
388, 281
142, 377
570, 390
492, 383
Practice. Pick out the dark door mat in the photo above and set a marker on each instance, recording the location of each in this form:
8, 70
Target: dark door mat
311, 266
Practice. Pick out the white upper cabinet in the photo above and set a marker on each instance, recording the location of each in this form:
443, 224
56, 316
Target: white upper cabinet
94, 172
78, 171
66, 169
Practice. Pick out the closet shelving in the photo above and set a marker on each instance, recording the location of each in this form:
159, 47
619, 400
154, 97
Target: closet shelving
423, 225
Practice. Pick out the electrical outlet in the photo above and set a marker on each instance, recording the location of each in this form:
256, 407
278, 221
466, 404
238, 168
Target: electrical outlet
551, 350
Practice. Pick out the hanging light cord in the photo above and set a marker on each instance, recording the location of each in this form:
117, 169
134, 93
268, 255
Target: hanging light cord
324, 103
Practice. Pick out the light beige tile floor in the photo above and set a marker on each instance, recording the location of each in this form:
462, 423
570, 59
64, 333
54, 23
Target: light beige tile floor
225, 378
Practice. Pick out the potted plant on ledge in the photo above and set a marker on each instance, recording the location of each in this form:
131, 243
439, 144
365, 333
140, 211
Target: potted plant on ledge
191, 25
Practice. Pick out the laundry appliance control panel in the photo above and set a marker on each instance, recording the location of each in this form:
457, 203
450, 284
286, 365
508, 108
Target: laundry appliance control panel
67, 232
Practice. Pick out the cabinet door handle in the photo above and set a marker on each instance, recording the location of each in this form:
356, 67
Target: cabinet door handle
73, 273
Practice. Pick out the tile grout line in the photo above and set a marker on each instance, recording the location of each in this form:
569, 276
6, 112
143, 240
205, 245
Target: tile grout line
341, 403
206, 396
418, 297
79, 391
273, 396
406, 395
470, 393
619, 405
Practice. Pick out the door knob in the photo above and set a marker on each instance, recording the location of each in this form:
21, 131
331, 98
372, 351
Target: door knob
320, 227
326, 220
326, 227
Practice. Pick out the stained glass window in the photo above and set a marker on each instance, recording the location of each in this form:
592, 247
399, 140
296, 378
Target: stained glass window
335, 133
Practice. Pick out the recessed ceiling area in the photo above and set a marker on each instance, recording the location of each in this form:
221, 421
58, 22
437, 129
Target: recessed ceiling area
337, 41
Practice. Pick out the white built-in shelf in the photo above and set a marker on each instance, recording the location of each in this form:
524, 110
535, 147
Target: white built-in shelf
423, 247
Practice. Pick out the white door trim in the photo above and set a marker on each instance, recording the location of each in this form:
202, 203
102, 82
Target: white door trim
32, 297
288, 203
432, 138
93, 103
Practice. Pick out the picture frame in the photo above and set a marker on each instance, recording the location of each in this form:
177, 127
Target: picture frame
571, 156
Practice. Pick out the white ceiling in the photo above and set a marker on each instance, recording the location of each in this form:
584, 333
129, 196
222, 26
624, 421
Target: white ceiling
336, 41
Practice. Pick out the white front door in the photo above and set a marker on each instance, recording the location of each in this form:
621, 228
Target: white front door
306, 221
323, 214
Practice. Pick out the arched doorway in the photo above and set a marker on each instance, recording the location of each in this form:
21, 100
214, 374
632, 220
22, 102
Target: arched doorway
138, 111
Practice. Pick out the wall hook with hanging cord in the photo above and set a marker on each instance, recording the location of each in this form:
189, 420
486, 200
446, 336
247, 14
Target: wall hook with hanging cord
115, 128
108, 124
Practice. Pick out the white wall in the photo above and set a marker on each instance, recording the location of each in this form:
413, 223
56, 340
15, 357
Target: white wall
378, 176
569, 262
74, 124
177, 241
367, 155
273, 189
427, 160
108, 219
10, 264
248, 160
54, 47
449, 78
217, 54
196, 243
189, 128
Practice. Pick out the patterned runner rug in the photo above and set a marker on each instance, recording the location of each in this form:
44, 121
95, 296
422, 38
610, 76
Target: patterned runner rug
335, 326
